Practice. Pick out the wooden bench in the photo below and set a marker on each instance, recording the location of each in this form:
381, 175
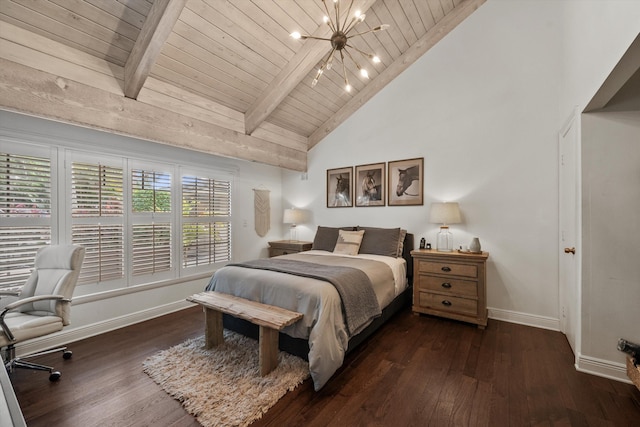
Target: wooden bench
269, 318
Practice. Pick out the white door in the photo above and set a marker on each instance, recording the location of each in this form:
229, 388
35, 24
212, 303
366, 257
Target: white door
569, 292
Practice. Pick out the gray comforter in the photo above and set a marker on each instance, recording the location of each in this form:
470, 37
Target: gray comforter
359, 302
323, 322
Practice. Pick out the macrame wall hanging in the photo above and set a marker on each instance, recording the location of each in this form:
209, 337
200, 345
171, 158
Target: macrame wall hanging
262, 208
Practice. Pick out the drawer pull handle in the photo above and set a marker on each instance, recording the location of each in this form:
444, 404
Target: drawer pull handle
447, 303
445, 269
446, 285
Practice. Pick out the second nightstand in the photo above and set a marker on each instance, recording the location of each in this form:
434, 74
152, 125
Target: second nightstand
450, 284
283, 247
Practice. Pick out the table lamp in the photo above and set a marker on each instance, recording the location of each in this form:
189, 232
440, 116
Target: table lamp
445, 214
293, 217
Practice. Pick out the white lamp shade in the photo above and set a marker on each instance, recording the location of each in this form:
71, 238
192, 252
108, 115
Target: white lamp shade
445, 213
294, 216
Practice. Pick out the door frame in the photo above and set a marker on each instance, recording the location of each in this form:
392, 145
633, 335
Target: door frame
570, 129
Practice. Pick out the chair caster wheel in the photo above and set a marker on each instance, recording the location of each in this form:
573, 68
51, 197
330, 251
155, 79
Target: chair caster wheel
55, 376
67, 355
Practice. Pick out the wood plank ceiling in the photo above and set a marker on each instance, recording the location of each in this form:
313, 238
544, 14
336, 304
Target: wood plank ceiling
222, 77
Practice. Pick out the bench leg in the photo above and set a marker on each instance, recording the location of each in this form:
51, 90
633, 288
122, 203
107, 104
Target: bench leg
268, 350
213, 330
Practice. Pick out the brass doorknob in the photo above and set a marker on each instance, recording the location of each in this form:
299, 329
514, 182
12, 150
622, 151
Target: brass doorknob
570, 251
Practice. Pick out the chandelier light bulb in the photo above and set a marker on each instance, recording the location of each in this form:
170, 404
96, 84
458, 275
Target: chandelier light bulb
325, 19
347, 87
376, 59
296, 35
364, 73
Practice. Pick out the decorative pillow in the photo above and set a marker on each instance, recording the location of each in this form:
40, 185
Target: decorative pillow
326, 237
380, 241
403, 235
348, 242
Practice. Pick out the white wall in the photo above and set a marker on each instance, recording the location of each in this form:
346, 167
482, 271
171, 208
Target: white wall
96, 313
611, 229
596, 35
482, 109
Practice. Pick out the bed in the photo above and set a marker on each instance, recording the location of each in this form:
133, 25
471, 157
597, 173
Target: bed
351, 282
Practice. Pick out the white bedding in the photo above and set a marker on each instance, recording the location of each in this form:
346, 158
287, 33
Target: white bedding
319, 302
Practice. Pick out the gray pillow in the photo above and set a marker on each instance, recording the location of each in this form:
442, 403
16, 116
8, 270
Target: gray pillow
326, 237
380, 241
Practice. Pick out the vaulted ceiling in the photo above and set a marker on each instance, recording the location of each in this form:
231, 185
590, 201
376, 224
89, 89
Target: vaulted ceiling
215, 76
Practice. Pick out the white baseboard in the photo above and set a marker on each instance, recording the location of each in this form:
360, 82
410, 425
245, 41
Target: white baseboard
602, 368
542, 322
70, 334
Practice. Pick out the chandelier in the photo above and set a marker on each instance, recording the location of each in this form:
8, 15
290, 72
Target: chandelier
340, 41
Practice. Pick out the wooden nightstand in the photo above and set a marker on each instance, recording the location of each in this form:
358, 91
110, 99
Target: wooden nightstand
283, 247
450, 284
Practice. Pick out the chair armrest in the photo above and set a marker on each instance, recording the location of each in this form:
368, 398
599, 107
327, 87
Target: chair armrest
24, 301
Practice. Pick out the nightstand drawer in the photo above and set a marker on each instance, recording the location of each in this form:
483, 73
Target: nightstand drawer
448, 268
466, 288
449, 304
280, 251
284, 247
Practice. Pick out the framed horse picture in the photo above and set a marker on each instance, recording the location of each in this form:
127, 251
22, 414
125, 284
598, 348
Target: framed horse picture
406, 182
370, 185
340, 187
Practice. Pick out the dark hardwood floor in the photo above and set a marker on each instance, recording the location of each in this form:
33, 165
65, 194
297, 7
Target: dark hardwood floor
415, 371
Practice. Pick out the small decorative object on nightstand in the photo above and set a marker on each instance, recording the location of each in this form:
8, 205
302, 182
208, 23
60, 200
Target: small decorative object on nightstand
450, 284
283, 247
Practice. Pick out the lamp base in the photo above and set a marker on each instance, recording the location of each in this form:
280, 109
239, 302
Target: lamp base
444, 242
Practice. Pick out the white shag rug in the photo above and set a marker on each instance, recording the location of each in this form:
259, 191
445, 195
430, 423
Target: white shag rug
222, 386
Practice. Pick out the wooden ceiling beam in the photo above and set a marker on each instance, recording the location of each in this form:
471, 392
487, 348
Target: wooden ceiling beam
41, 94
433, 36
154, 33
293, 73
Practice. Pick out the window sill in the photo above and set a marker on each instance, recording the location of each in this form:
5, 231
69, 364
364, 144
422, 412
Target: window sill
84, 299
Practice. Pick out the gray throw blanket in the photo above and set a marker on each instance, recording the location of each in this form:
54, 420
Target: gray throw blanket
359, 302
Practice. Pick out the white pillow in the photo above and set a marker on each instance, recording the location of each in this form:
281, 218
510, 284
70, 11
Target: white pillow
348, 242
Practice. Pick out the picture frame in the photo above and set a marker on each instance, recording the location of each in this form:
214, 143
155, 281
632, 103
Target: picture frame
406, 182
340, 187
370, 186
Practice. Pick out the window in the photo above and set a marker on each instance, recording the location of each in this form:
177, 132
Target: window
97, 213
25, 209
206, 221
122, 210
151, 207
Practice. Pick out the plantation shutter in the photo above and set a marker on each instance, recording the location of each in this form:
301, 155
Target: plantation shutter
25, 209
151, 231
206, 229
98, 220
